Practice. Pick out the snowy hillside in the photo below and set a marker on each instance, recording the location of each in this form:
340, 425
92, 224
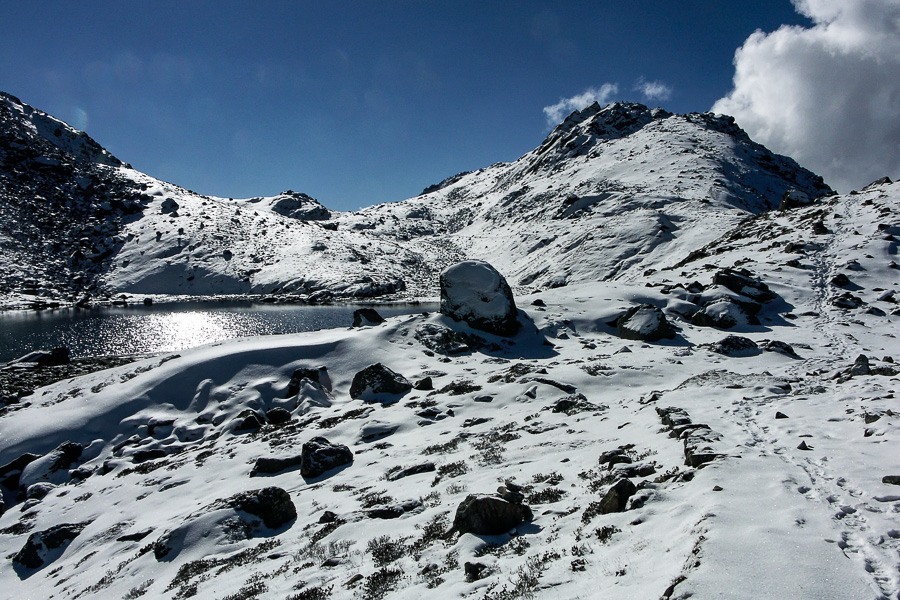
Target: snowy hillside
756, 438
611, 193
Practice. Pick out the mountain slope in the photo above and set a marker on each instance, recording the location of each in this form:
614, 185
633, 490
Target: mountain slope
611, 193
803, 437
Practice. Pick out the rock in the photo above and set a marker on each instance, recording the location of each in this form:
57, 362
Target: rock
780, 348
366, 316
11, 471
699, 446
723, 313
840, 280
475, 571
847, 300
489, 515
272, 504
168, 206
278, 416
37, 491
395, 511
424, 384
780, 415
744, 282
248, 420
616, 498
804, 446
613, 457
794, 199
319, 456
318, 376
35, 552
269, 465
426, 467
891, 479
376, 430
735, 346
141, 456
53, 466
444, 340
860, 365
646, 323
475, 293
377, 383
573, 404
45, 358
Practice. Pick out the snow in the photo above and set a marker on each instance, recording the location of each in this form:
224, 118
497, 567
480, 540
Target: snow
767, 519
617, 208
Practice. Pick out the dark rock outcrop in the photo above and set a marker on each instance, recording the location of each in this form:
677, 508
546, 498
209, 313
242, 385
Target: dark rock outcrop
319, 456
378, 383
616, 498
742, 281
489, 515
363, 317
34, 553
272, 505
268, 465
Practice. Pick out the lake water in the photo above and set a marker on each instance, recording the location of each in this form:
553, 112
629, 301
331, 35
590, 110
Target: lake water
167, 327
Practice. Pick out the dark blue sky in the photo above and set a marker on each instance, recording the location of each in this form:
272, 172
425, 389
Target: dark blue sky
353, 103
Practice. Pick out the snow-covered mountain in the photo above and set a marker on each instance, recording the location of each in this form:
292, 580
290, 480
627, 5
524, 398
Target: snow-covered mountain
759, 455
610, 194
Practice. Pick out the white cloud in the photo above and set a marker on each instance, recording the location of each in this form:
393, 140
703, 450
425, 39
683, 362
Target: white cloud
562, 109
827, 95
653, 90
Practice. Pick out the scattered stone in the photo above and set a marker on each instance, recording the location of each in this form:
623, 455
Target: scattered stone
475, 571
744, 282
45, 358
318, 376
35, 552
248, 420
860, 365
891, 479
444, 340
847, 300
616, 498
722, 313
377, 383
803, 446
319, 456
780, 415
395, 511
424, 384
426, 467
840, 280
780, 348
278, 416
476, 293
646, 323
272, 504
268, 465
489, 515
614, 457
364, 317
735, 346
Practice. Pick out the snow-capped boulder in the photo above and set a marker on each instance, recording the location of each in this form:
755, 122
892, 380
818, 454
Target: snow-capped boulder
489, 515
476, 293
272, 504
319, 456
645, 322
318, 376
300, 206
724, 313
53, 466
377, 383
736, 346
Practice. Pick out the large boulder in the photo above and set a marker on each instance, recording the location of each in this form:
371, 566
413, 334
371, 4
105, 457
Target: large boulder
616, 498
723, 313
475, 293
444, 340
38, 549
489, 515
744, 282
377, 383
646, 323
272, 505
319, 456
363, 317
